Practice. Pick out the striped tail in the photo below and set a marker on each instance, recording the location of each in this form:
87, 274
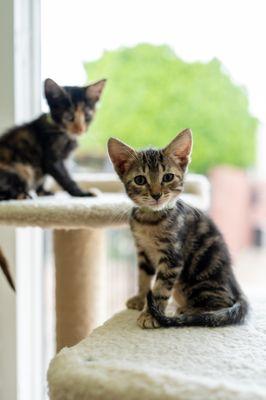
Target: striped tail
223, 317
5, 268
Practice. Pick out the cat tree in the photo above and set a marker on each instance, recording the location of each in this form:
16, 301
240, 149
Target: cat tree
78, 230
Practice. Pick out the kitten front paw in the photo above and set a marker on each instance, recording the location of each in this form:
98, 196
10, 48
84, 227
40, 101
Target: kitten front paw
135, 303
91, 193
23, 196
87, 194
44, 192
147, 321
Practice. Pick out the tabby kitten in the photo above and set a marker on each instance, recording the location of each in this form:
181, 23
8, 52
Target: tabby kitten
31, 151
178, 246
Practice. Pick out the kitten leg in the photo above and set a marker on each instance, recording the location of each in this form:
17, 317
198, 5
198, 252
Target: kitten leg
146, 273
162, 290
179, 298
59, 172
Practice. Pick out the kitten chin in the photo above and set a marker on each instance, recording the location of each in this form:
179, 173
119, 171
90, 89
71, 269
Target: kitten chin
74, 136
166, 205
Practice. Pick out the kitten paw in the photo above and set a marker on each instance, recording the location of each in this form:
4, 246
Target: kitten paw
135, 303
87, 194
45, 193
91, 193
147, 321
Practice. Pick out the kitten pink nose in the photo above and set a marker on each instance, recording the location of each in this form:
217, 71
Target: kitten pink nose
78, 129
156, 196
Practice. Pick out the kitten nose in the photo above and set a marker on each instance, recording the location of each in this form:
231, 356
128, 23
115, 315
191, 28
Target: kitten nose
79, 128
156, 196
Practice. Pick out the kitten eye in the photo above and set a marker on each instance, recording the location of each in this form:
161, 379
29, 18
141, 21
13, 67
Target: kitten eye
88, 117
140, 180
88, 114
168, 177
69, 117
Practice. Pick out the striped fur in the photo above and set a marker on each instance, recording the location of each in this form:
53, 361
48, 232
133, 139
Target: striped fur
180, 249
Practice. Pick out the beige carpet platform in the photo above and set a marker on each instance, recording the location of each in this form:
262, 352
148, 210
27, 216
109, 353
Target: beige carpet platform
79, 250
120, 361
64, 211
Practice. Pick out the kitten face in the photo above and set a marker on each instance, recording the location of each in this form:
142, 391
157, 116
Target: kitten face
152, 178
73, 107
153, 181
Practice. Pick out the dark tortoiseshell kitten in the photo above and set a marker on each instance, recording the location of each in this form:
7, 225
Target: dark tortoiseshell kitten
178, 246
38, 148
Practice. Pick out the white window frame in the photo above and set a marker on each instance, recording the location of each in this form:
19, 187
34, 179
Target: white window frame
21, 316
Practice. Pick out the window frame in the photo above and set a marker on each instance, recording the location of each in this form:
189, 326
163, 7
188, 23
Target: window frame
21, 341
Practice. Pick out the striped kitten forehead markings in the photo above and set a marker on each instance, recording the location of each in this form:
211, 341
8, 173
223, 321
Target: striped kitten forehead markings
151, 158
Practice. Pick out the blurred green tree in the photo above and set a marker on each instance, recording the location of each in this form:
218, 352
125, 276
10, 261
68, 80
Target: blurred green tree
151, 95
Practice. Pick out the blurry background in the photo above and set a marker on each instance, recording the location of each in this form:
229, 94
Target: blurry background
170, 64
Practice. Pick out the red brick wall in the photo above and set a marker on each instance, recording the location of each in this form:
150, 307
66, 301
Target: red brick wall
230, 205
258, 205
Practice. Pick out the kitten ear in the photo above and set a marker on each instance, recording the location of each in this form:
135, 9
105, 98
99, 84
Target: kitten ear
94, 91
121, 155
52, 90
180, 148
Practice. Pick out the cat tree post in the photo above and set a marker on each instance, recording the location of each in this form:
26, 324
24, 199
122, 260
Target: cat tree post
79, 262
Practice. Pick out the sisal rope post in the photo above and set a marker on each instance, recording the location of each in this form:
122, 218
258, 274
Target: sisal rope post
79, 263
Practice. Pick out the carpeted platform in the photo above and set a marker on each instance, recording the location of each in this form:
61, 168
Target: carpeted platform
66, 212
121, 361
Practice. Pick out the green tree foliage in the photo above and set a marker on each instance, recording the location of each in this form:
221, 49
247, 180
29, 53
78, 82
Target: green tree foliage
151, 95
